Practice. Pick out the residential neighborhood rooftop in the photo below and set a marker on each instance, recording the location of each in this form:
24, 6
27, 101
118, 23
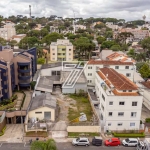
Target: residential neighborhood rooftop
106, 62
146, 84
119, 81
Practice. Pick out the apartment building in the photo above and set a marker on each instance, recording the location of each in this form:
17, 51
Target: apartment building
62, 50
18, 37
125, 68
120, 102
79, 26
8, 30
16, 70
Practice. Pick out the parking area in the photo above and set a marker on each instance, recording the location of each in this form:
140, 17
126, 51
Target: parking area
13, 133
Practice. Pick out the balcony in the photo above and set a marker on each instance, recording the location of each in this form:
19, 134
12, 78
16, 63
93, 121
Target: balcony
24, 77
24, 83
61, 56
23, 63
26, 70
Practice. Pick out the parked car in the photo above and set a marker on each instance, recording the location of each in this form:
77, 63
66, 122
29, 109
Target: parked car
81, 142
112, 142
97, 141
130, 142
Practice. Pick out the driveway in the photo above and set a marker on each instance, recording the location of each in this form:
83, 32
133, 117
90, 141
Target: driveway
13, 133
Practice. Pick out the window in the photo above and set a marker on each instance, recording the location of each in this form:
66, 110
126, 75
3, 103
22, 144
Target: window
53, 73
124, 90
119, 124
109, 124
103, 97
132, 124
89, 74
89, 67
69, 53
69, 49
110, 103
53, 53
130, 90
89, 81
133, 114
128, 74
126, 67
110, 114
102, 107
134, 103
116, 67
38, 112
120, 113
121, 103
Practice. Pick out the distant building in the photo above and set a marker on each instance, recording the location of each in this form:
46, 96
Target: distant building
62, 50
77, 27
18, 37
112, 25
8, 30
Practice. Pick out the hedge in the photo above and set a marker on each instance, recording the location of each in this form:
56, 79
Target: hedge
129, 134
3, 130
8, 106
78, 134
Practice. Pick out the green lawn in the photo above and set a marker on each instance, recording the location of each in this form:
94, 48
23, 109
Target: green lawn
38, 134
87, 134
82, 105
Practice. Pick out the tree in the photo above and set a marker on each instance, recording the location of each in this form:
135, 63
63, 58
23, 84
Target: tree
51, 38
108, 34
146, 43
13, 43
116, 48
131, 53
2, 41
44, 145
101, 39
122, 37
107, 44
99, 26
67, 24
145, 71
41, 61
84, 47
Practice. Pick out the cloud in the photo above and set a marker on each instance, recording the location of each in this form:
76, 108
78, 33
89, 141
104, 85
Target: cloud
121, 9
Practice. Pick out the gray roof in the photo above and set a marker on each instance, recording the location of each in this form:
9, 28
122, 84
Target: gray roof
51, 65
46, 83
43, 100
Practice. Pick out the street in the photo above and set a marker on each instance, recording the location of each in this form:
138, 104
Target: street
60, 146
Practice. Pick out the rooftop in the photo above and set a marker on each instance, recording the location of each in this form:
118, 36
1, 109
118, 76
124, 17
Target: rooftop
108, 62
146, 84
52, 65
43, 100
119, 81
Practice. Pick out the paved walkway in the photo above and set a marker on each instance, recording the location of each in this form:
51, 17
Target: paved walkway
27, 99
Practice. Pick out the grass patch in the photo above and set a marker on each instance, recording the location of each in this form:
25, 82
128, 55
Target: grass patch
129, 135
83, 105
3, 131
78, 134
38, 134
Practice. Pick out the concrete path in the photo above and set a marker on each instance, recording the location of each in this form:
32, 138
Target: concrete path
27, 99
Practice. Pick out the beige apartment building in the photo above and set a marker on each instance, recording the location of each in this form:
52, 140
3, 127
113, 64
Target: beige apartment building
62, 50
8, 30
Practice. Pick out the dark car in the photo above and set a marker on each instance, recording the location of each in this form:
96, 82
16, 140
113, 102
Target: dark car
97, 141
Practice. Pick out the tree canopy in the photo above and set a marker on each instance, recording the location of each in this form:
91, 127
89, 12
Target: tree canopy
145, 71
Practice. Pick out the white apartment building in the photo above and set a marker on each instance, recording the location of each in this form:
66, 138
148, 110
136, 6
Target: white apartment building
120, 102
112, 25
8, 30
62, 50
78, 26
125, 68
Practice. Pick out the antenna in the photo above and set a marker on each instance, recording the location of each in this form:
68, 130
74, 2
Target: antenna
74, 27
30, 11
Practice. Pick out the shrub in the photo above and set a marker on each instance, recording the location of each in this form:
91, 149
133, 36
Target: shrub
129, 134
3, 130
147, 120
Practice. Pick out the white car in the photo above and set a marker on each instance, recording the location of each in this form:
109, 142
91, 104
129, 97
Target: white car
81, 142
130, 142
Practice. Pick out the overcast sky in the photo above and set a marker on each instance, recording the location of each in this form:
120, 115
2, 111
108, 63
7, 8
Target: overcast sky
121, 9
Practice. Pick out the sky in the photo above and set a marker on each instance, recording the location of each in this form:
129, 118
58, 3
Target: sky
120, 9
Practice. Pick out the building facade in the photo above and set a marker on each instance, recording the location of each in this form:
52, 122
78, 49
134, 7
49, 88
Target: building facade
62, 50
120, 102
125, 68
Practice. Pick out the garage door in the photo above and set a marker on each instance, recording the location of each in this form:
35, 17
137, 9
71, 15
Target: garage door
47, 115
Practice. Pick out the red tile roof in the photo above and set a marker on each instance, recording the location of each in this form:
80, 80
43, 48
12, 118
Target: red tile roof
112, 56
146, 84
108, 62
119, 81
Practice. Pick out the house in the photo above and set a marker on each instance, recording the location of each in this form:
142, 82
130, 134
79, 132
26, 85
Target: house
126, 68
18, 37
62, 50
78, 26
112, 25
120, 102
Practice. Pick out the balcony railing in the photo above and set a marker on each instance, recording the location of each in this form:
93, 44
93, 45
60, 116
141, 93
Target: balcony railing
24, 77
24, 70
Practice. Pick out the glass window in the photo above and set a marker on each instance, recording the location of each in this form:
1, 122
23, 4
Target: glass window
109, 124
134, 103
126, 67
132, 124
133, 114
128, 74
103, 97
120, 113
110, 103
110, 114
121, 103
116, 67
119, 124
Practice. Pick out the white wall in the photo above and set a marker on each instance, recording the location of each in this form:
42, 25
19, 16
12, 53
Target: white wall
48, 71
32, 114
53, 49
69, 57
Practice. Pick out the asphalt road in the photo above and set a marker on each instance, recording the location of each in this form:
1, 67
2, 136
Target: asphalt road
61, 146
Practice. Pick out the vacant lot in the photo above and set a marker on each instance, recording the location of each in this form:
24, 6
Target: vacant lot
80, 105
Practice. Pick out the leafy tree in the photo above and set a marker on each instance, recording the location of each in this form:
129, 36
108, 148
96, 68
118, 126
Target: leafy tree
13, 43
139, 65
116, 48
67, 24
44, 32
122, 37
131, 53
2, 41
141, 57
101, 39
41, 60
146, 43
145, 71
99, 26
108, 34
124, 47
107, 44
51, 38
44, 145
